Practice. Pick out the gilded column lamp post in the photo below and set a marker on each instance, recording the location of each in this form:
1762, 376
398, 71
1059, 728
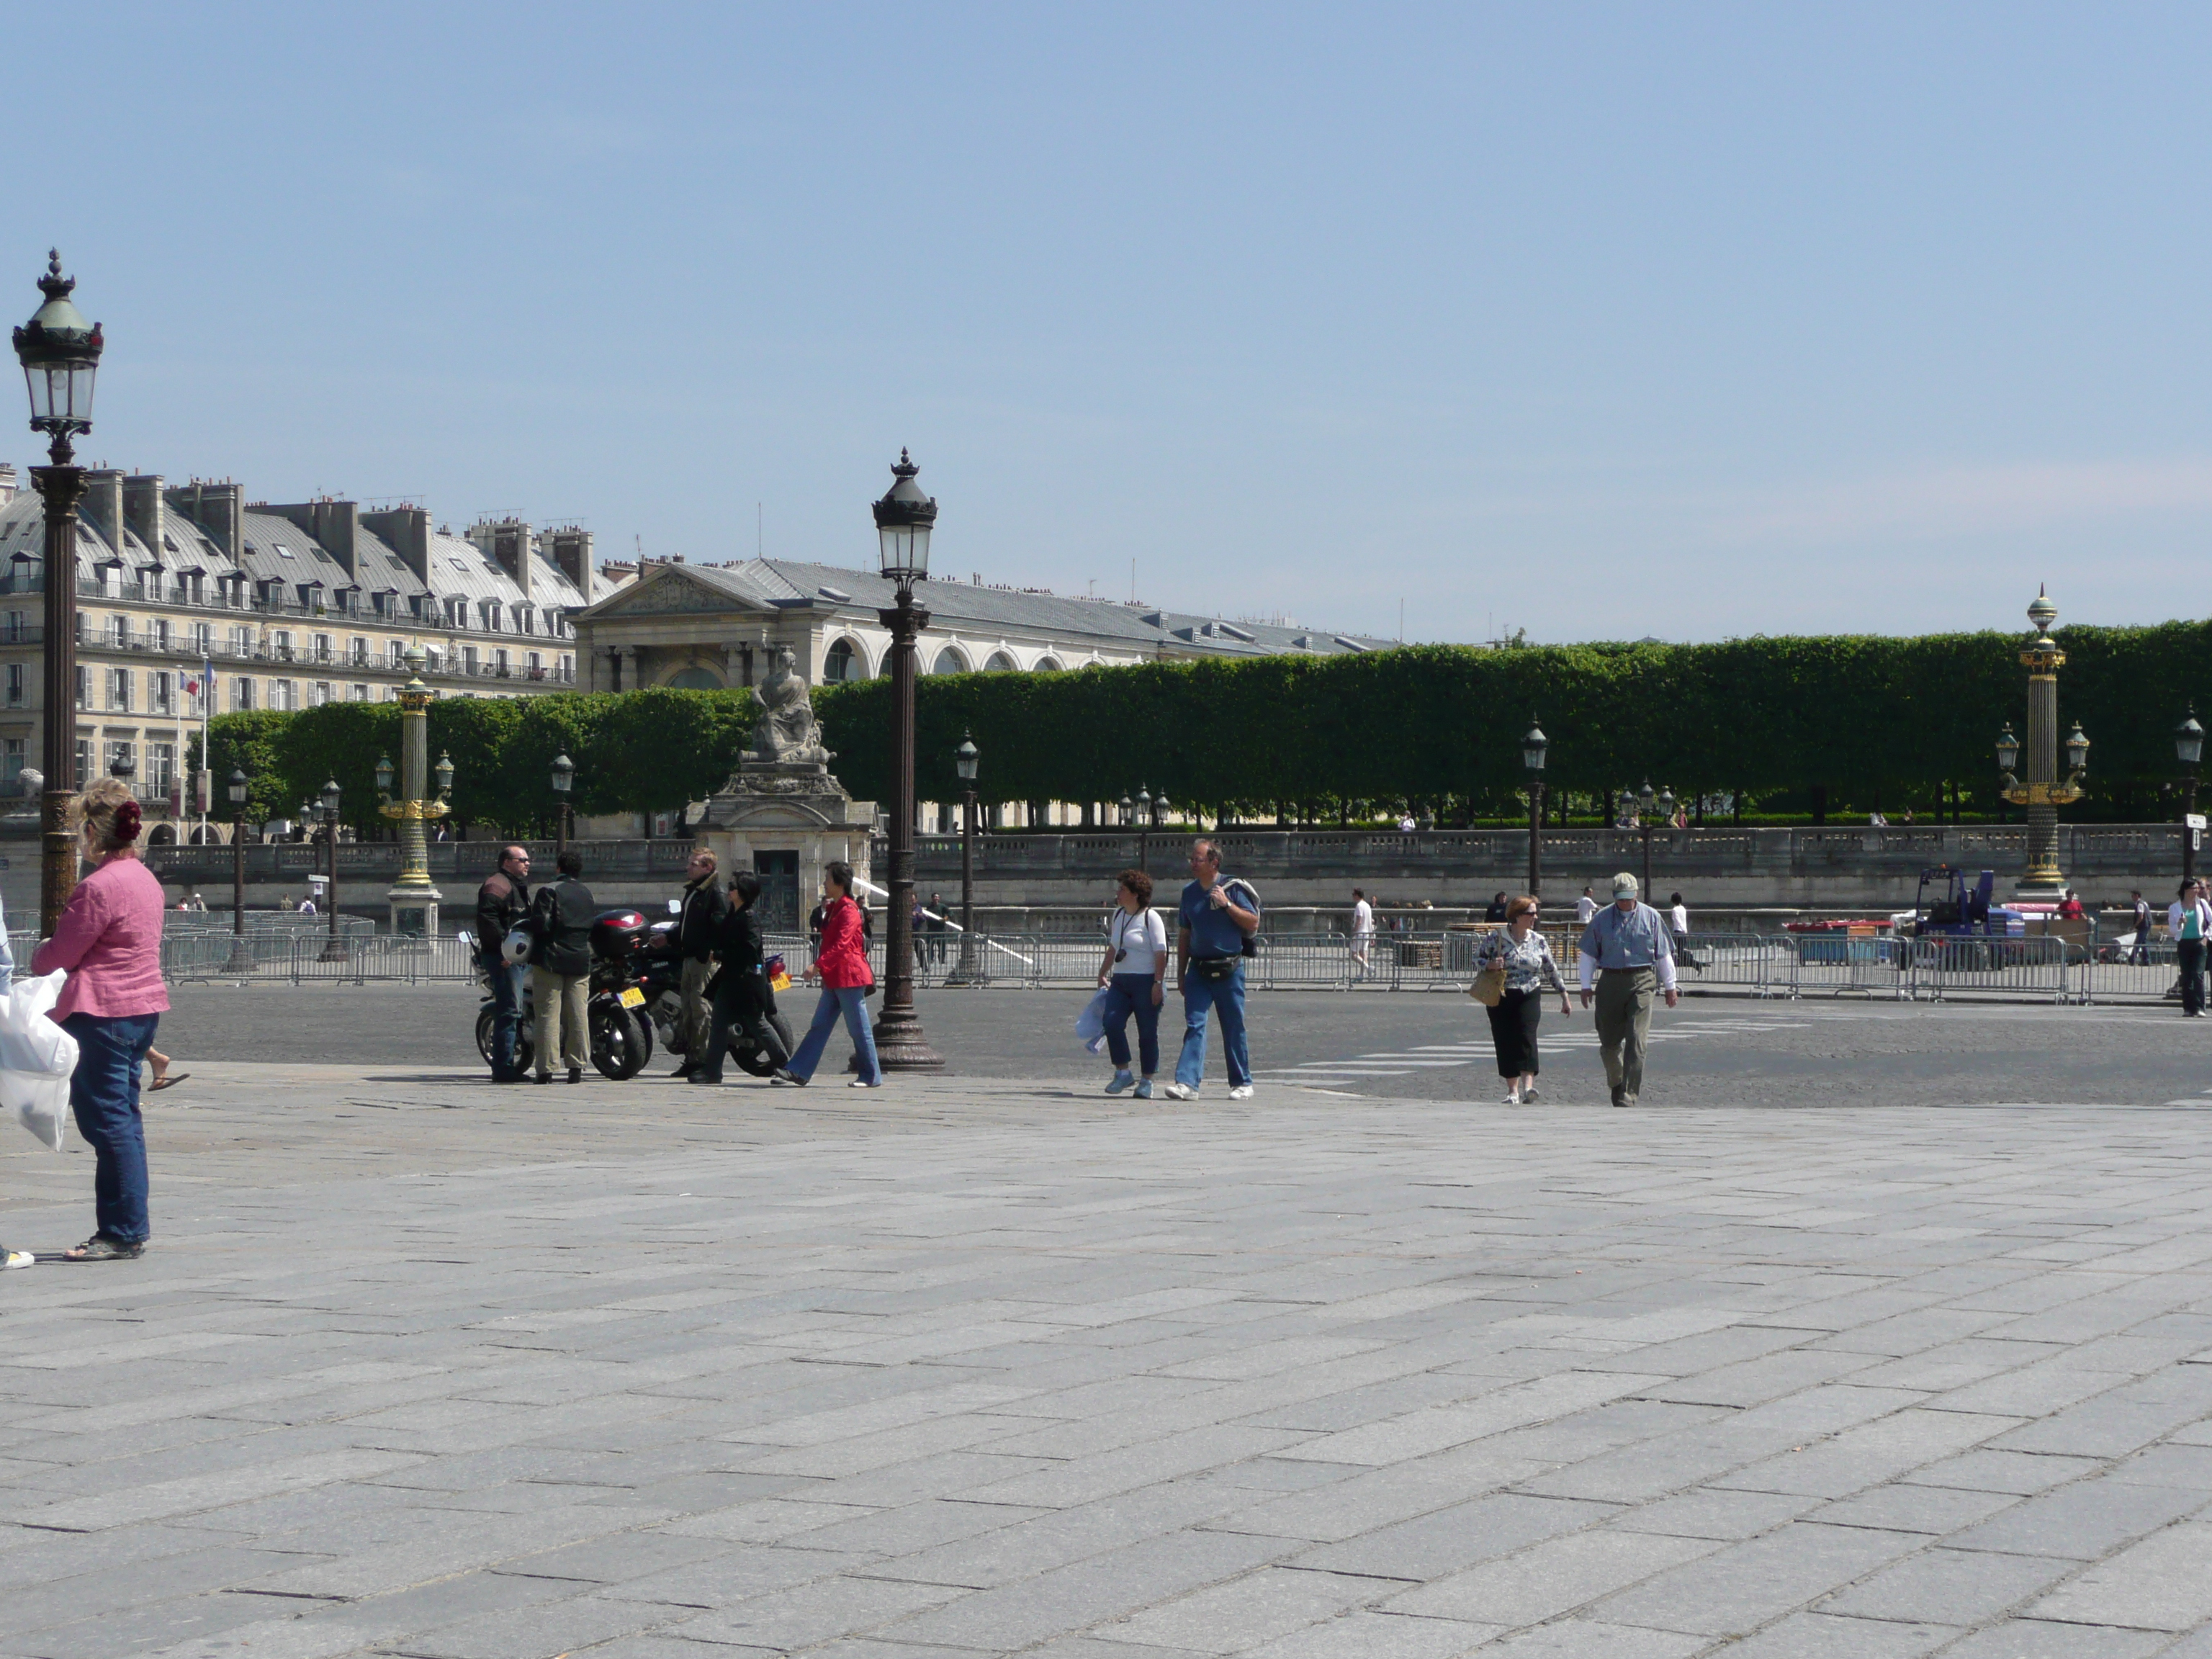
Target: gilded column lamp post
2043, 794
413, 899
241, 955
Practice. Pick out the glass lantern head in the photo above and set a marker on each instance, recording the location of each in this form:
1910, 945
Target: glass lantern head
904, 519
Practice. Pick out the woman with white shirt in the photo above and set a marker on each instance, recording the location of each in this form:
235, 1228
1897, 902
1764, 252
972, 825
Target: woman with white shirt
1134, 974
2189, 924
1678, 924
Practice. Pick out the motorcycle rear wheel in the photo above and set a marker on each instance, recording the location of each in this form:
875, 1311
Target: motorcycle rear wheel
525, 1050
754, 1061
621, 1043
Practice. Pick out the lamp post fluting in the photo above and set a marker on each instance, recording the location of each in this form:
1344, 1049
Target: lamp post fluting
60, 355
335, 950
564, 779
2189, 750
1534, 749
2043, 794
242, 957
904, 518
1646, 802
1143, 829
414, 901
966, 760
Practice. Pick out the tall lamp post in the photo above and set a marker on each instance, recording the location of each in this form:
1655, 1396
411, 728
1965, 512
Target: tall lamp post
904, 519
2189, 750
241, 958
1143, 829
413, 899
1533, 751
334, 951
564, 779
966, 759
1646, 802
2043, 794
60, 355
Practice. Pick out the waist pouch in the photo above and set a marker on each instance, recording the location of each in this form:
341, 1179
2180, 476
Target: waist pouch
1214, 970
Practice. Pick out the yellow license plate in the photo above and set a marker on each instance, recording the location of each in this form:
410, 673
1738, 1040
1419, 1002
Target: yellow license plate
632, 998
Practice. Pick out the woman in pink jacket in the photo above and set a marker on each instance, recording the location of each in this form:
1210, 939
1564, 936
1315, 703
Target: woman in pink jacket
109, 938
842, 965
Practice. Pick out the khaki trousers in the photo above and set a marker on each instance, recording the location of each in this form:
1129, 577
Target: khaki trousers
563, 1023
1624, 1027
698, 1015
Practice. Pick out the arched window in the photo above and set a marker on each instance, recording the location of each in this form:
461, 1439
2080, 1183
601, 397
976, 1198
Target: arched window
843, 663
948, 661
694, 679
1049, 665
1000, 663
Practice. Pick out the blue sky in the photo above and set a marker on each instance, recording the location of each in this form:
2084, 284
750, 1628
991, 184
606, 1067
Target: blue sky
1601, 321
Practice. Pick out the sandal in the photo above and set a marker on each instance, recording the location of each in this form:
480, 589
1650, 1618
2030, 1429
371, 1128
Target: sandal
101, 1249
166, 1081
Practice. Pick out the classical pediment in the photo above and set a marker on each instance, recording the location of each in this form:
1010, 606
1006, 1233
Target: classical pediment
669, 589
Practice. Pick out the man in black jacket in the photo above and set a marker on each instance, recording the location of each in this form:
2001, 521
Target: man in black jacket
561, 968
502, 902
742, 1000
697, 924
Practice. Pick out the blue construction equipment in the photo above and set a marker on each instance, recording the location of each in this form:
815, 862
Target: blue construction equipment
1949, 908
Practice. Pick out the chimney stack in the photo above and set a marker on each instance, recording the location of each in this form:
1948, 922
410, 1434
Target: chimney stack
219, 509
572, 555
407, 531
144, 511
8, 485
103, 505
506, 543
332, 524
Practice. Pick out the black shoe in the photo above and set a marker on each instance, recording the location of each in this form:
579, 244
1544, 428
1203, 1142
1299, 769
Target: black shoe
707, 1078
785, 1074
576, 1074
541, 1079
684, 1072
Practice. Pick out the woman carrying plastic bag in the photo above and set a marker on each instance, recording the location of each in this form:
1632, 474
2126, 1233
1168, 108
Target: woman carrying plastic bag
36, 1058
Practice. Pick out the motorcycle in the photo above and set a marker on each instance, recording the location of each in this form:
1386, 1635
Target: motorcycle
659, 974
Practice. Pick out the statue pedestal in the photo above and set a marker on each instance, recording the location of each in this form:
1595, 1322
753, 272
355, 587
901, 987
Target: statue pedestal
414, 911
786, 820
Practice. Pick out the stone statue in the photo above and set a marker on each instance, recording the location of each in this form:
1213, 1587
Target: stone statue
784, 734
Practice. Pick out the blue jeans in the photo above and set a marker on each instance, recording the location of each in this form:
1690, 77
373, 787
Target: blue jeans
104, 1096
506, 982
1199, 998
1126, 994
851, 1001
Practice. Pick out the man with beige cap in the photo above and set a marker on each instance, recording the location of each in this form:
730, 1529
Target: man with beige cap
1627, 948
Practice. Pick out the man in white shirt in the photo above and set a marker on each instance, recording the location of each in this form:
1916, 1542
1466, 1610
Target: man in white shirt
1585, 908
2189, 924
1363, 931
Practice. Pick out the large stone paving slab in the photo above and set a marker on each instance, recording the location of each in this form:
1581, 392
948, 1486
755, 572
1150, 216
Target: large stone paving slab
418, 1367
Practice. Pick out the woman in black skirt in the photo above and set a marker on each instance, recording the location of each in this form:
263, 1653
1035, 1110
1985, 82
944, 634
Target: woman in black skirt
1526, 956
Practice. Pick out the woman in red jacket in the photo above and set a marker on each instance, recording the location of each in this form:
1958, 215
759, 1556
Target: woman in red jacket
842, 965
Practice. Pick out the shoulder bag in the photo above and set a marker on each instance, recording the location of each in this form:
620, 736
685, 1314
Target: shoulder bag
1489, 987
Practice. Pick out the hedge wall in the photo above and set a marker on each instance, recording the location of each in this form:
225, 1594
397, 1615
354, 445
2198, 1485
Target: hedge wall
1862, 718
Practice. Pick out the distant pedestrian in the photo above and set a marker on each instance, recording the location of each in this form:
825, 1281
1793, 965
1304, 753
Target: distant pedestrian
1363, 933
1134, 974
2070, 907
1214, 921
939, 926
842, 965
1678, 925
1497, 911
1627, 946
561, 968
918, 929
698, 921
1526, 956
503, 905
109, 939
2139, 952
2189, 924
198, 904
1585, 908
307, 905
742, 998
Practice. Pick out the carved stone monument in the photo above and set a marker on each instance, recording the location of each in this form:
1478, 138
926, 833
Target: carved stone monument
785, 814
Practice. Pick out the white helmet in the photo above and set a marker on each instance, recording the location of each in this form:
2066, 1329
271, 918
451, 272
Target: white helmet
516, 947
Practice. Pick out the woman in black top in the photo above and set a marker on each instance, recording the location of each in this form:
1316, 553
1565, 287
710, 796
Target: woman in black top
742, 1000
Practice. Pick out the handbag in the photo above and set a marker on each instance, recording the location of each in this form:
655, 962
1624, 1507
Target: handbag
1489, 987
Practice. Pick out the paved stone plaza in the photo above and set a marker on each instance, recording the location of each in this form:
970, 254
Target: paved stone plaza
420, 1367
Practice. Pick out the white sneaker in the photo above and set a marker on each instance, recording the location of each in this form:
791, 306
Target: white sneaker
1241, 1091
15, 1259
862, 1083
1121, 1080
1176, 1091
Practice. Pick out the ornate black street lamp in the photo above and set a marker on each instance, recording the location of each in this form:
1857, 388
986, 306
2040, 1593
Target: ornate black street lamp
241, 958
904, 519
1534, 748
1646, 803
60, 355
2189, 750
564, 779
1143, 829
334, 951
965, 761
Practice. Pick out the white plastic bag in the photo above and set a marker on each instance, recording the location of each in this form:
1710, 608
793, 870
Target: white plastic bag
36, 1058
1091, 1024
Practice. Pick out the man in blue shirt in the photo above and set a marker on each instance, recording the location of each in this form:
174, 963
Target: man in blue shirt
1628, 945
1215, 918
